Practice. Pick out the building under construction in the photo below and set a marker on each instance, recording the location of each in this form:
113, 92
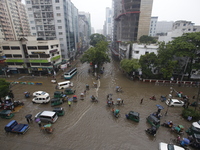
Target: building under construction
131, 20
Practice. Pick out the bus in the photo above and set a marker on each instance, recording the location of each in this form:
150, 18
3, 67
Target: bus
63, 85
68, 75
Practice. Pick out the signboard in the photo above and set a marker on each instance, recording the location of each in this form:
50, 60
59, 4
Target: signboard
39, 69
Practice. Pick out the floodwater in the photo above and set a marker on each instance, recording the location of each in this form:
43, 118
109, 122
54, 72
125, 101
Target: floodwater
92, 126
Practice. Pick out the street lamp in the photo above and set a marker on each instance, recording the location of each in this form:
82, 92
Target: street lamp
170, 99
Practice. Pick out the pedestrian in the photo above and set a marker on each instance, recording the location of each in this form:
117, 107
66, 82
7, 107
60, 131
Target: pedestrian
27, 119
193, 97
84, 92
69, 103
188, 103
141, 101
39, 124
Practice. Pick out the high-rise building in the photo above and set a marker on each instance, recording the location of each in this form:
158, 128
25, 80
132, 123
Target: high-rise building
55, 19
152, 27
13, 20
131, 20
108, 24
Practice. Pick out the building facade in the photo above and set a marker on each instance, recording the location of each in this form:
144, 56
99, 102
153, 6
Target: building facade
28, 55
55, 19
152, 28
108, 24
131, 21
163, 27
13, 20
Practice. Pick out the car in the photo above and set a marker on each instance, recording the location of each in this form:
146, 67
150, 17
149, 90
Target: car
165, 146
174, 102
38, 93
46, 116
15, 127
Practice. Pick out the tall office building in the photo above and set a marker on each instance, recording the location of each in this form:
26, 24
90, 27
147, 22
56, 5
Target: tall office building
131, 20
55, 19
152, 27
13, 20
108, 24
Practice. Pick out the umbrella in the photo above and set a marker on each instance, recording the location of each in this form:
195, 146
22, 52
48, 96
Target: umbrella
70, 99
159, 106
37, 120
28, 116
119, 99
187, 141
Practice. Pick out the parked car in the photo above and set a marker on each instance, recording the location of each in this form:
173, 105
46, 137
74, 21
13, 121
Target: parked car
41, 99
47, 116
165, 146
37, 93
16, 127
174, 102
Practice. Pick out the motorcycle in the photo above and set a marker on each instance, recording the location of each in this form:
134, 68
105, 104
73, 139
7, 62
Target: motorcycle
18, 103
153, 98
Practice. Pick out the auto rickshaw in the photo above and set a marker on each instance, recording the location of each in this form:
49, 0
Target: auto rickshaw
153, 121
59, 111
152, 130
178, 129
69, 91
82, 96
134, 116
6, 114
59, 94
56, 101
8, 104
75, 98
120, 101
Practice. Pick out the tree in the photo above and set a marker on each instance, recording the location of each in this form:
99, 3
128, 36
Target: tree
4, 88
95, 38
187, 46
97, 55
147, 39
129, 65
148, 62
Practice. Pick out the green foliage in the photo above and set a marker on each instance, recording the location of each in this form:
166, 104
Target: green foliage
148, 62
96, 38
129, 65
4, 88
190, 112
147, 39
97, 55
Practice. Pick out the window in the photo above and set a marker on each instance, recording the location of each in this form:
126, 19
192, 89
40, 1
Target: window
61, 39
43, 47
19, 64
33, 28
57, 1
58, 21
60, 33
137, 52
34, 33
6, 47
29, 9
31, 47
57, 8
35, 64
32, 22
30, 15
189, 29
8, 55
59, 27
28, 2
15, 48
58, 14
17, 56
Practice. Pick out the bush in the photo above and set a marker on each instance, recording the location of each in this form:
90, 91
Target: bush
190, 112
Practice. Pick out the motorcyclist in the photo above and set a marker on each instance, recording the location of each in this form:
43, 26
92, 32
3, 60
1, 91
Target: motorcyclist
92, 97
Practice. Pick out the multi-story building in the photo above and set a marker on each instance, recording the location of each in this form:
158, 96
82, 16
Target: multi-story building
55, 19
29, 55
152, 28
131, 21
163, 27
179, 28
13, 20
84, 31
108, 24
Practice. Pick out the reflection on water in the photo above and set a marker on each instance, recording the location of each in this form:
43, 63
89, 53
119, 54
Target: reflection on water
90, 126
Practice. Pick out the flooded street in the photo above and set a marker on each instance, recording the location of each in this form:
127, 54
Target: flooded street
92, 126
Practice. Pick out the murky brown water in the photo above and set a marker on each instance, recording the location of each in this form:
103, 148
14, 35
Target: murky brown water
91, 126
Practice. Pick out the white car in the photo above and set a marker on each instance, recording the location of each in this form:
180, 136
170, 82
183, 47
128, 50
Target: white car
174, 102
37, 93
165, 146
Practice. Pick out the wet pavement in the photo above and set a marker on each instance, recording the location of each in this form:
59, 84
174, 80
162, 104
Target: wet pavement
92, 126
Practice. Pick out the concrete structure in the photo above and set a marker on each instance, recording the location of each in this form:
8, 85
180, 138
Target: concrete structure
55, 19
179, 27
108, 24
32, 56
13, 20
163, 27
84, 31
152, 28
131, 21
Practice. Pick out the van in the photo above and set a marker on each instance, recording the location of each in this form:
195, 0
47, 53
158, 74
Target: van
46, 116
41, 99
63, 85
68, 75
